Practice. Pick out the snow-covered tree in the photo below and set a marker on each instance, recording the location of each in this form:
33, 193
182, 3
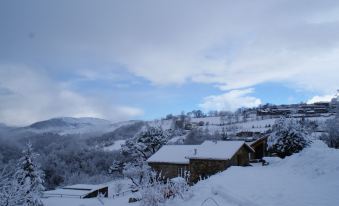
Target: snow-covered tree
22, 185
30, 177
145, 144
11, 192
138, 150
288, 137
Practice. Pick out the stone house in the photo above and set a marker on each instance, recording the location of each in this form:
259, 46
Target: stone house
170, 160
212, 157
200, 160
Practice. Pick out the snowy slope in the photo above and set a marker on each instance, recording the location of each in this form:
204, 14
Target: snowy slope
305, 179
213, 124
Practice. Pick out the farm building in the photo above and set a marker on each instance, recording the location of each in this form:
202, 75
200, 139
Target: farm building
216, 156
78, 191
200, 160
171, 161
260, 148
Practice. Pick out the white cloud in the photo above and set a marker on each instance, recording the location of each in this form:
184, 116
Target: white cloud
131, 111
324, 98
32, 96
231, 44
231, 100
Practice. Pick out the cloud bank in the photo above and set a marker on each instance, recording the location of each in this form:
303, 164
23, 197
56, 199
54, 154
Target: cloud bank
230, 101
229, 44
32, 96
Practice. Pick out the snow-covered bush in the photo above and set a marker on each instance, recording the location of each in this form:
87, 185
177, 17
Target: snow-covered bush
332, 129
332, 136
288, 137
153, 194
156, 191
137, 172
180, 188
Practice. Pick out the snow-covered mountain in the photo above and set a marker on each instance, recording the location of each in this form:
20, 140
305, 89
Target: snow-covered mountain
70, 125
69, 122
84, 127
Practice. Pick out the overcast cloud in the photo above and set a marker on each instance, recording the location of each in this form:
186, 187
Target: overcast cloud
231, 45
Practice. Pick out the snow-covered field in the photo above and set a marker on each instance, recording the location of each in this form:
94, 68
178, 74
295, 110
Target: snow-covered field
305, 179
252, 125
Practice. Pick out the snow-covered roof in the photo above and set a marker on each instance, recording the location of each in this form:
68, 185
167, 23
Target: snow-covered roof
180, 154
251, 143
78, 190
83, 187
218, 150
173, 154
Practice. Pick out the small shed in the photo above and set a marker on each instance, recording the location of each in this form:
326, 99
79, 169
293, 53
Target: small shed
212, 157
170, 161
78, 191
260, 147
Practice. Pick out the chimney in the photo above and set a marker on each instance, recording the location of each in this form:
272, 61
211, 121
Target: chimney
195, 151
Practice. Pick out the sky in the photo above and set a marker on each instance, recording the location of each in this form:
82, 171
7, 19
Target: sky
122, 60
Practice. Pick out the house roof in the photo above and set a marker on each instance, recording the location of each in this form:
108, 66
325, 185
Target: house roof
253, 143
78, 190
173, 154
218, 150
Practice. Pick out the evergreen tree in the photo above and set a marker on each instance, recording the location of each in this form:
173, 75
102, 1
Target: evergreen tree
287, 137
30, 178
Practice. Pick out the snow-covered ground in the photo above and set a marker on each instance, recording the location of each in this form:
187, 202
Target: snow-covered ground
309, 178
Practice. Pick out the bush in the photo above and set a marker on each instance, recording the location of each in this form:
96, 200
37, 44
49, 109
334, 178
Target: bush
332, 136
156, 192
287, 137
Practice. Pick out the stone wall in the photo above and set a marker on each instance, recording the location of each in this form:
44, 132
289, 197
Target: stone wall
168, 170
202, 168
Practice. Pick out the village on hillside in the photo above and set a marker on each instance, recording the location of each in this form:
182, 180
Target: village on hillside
188, 159
253, 147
